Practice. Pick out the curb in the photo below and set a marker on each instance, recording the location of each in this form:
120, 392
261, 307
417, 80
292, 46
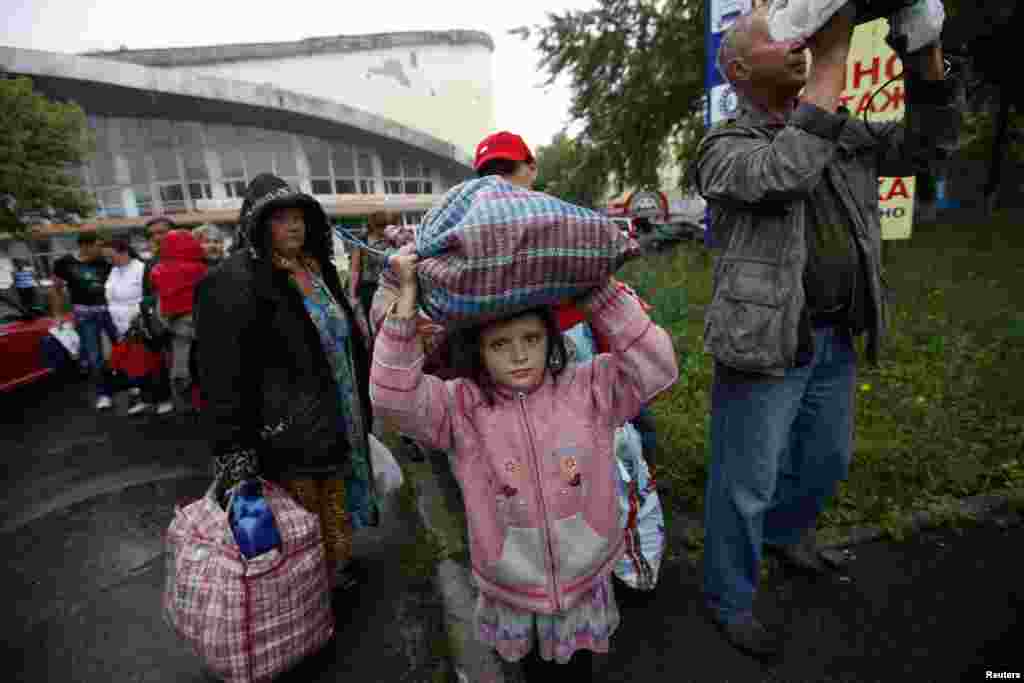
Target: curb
95, 487
439, 504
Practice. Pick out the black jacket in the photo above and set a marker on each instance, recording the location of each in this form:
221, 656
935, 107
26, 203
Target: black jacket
264, 373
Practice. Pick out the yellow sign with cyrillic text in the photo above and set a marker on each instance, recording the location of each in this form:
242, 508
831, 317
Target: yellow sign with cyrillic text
872, 64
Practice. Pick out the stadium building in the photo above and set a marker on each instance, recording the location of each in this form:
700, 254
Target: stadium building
361, 122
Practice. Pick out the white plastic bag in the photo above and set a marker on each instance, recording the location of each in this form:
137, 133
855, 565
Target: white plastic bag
67, 336
921, 24
800, 19
386, 472
641, 508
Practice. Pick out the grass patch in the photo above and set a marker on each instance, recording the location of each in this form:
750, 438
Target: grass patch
940, 418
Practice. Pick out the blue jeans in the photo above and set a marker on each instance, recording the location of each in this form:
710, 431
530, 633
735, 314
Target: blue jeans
779, 445
90, 323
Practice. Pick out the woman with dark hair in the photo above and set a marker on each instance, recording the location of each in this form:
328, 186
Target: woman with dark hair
367, 266
284, 367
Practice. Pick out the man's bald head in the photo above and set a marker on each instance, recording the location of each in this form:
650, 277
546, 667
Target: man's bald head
757, 66
738, 39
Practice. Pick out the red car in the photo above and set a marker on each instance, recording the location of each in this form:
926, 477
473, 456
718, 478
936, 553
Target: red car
21, 334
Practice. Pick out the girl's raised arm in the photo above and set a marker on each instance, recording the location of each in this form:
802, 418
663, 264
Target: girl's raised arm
418, 403
641, 362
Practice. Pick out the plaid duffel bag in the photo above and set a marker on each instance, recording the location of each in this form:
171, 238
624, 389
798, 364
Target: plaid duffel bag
247, 620
491, 248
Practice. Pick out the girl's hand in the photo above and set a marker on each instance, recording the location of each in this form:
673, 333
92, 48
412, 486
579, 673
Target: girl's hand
403, 262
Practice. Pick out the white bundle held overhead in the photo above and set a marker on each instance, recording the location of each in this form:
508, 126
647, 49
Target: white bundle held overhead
913, 23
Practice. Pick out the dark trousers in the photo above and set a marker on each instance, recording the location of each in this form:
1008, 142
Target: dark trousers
578, 669
365, 291
27, 295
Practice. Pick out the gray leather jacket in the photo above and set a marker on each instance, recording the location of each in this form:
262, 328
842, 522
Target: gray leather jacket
757, 175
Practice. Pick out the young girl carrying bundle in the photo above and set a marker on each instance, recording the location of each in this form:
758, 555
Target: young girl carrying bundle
532, 438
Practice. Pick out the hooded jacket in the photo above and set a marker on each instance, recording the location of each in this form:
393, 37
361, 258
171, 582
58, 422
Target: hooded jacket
537, 469
269, 389
182, 265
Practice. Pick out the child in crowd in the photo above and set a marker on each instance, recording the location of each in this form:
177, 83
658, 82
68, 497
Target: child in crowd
182, 265
531, 438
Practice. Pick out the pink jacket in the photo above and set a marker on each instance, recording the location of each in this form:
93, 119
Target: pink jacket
536, 470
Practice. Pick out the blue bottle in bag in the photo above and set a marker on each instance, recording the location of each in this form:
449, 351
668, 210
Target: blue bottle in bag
252, 521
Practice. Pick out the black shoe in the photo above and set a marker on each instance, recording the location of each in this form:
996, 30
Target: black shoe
412, 450
805, 557
350, 578
750, 637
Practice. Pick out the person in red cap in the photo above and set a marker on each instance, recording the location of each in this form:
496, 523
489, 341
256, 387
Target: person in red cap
507, 155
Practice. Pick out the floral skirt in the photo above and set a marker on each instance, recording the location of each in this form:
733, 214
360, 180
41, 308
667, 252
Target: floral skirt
326, 498
512, 631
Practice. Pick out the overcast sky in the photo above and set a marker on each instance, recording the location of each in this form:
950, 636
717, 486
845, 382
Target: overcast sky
520, 103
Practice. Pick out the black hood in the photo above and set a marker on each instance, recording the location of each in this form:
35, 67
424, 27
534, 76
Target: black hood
267, 192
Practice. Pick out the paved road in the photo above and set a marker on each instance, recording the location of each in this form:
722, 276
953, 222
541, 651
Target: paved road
83, 576
941, 607
84, 502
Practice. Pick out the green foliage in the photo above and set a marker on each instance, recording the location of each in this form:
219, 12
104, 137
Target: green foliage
636, 69
419, 558
39, 139
566, 169
939, 419
979, 133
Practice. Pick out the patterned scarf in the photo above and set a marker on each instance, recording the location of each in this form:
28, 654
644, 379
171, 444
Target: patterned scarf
335, 337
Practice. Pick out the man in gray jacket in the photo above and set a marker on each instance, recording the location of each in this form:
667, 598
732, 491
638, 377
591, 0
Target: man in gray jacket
792, 183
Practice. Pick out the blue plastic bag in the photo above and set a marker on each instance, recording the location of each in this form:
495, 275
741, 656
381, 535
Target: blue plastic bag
252, 521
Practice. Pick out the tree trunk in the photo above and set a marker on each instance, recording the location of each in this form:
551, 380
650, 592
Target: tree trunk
995, 170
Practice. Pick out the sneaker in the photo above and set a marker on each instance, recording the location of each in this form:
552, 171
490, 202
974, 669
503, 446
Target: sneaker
165, 407
140, 407
104, 403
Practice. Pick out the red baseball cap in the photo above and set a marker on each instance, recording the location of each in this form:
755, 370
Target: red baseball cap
502, 145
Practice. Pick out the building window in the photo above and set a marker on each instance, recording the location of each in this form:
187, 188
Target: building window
200, 191
235, 189
345, 186
413, 217
403, 176
172, 198
343, 163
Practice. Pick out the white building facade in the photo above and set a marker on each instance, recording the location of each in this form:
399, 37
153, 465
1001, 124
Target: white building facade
182, 131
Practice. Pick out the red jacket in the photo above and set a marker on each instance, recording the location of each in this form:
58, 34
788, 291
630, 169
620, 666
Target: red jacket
182, 265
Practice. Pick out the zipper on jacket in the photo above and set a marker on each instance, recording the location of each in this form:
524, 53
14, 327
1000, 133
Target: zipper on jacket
543, 506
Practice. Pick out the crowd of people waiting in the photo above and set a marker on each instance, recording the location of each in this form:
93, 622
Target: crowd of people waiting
292, 364
133, 316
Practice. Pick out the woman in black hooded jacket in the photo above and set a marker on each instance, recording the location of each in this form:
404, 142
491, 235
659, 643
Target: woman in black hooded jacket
285, 366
